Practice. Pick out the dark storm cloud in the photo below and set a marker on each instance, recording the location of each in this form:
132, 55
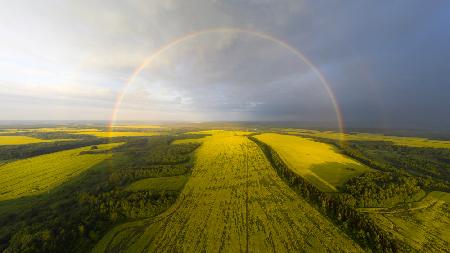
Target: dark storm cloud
387, 61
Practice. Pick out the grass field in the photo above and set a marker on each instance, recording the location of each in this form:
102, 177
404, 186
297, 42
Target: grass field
318, 162
425, 224
233, 202
159, 184
117, 134
20, 140
401, 141
40, 174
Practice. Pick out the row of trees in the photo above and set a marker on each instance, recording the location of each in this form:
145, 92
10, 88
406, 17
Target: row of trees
126, 176
339, 207
429, 166
377, 189
120, 205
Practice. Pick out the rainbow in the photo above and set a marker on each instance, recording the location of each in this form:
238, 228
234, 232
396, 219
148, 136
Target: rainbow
258, 34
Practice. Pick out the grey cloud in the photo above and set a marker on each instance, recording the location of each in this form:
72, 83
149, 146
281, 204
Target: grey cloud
386, 61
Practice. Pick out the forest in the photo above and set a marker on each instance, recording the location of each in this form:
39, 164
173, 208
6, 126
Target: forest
77, 214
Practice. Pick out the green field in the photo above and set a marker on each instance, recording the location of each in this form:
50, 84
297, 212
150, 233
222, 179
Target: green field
233, 201
159, 184
425, 224
40, 174
20, 140
318, 162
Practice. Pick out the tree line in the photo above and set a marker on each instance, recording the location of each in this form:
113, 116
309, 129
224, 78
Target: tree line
378, 189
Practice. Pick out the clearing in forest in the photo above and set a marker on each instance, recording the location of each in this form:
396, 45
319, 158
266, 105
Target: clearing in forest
42, 173
174, 183
233, 202
317, 162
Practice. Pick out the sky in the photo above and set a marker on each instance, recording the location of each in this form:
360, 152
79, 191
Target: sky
387, 62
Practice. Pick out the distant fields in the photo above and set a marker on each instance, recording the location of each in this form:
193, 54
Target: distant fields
217, 191
318, 162
118, 134
48, 130
233, 202
425, 224
20, 140
138, 126
42, 173
401, 141
174, 183
218, 131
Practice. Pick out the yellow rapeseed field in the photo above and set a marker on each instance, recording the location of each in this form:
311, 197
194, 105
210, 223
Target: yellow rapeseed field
42, 173
318, 162
20, 140
233, 202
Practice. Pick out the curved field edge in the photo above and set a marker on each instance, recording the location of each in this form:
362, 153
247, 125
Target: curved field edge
233, 201
40, 174
425, 224
173, 183
317, 162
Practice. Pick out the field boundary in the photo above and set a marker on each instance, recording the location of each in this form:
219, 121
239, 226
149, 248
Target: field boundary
341, 214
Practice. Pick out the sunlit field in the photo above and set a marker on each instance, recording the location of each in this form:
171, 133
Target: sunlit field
20, 140
41, 174
318, 162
